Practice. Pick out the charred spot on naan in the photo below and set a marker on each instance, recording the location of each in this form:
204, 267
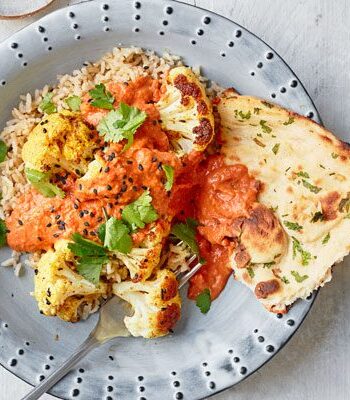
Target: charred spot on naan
267, 288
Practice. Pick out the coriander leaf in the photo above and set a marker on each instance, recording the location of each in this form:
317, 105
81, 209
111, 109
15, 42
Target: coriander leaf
294, 226
117, 237
265, 127
73, 102
298, 277
267, 104
344, 205
121, 124
3, 151
90, 268
257, 141
169, 173
3, 232
285, 280
82, 247
269, 264
203, 301
303, 174
46, 105
101, 232
257, 110
297, 249
335, 155
326, 238
242, 115
312, 188
251, 272
41, 182
318, 216
275, 148
140, 212
101, 98
290, 121
187, 233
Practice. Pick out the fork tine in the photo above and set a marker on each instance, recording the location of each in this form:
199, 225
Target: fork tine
189, 275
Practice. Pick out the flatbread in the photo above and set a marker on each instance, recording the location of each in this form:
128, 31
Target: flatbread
305, 174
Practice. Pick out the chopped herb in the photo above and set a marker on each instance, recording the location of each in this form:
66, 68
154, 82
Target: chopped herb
344, 204
41, 182
187, 233
298, 277
101, 97
121, 124
92, 257
269, 264
326, 238
285, 215
303, 174
242, 115
203, 301
140, 212
274, 209
257, 141
275, 148
335, 155
322, 166
169, 173
259, 135
267, 104
3, 231
257, 110
287, 169
289, 122
312, 188
294, 226
73, 102
285, 280
117, 237
3, 151
318, 216
46, 105
347, 216
297, 248
251, 272
265, 127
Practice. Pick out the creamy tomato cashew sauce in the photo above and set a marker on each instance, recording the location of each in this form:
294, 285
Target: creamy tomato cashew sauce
204, 188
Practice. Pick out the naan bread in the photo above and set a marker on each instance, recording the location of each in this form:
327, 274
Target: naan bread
305, 176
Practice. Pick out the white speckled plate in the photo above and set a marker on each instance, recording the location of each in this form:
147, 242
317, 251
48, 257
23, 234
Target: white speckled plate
205, 354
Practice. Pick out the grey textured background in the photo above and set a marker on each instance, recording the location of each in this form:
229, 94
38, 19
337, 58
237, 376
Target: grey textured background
313, 36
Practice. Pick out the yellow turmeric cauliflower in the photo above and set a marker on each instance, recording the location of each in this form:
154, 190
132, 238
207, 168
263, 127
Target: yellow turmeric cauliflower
60, 140
156, 304
186, 112
59, 290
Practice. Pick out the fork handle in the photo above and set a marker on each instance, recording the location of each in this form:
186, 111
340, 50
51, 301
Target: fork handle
90, 343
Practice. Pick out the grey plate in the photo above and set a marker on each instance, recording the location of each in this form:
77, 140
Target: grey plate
205, 354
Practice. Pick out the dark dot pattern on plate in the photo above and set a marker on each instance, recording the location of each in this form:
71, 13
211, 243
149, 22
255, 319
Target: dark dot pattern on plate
236, 359
252, 73
179, 396
169, 10
290, 322
109, 388
243, 370
283, 89
41, 378
230, 351
207, 373
173, 373
136, 30
79, 379
310, 114
238, 33
261, 339
47, 367
142, 389
13, 362
176, 383
105, 7
193, 42
45, 39
230, 44
260, 65
165, 22
14, 45
140, 378
256, 331
273, 95
200, 32
279, 316
212, 385
161, 33
269, 56
142, 398
75, 392
109, 398
71, 14
21, 352
41, 29
270, 348
111, 377
206, 20
294, 83
137, 17
51, 358
137, 5
81, 370
205, 364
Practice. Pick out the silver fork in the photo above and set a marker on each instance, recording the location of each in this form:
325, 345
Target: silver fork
110, 325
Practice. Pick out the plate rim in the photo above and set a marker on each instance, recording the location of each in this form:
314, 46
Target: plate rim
316, 117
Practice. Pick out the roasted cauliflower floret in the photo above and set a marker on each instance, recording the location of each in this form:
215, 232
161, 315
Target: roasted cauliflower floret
144, 259
59, 290
60, 140
186, 112
156, 304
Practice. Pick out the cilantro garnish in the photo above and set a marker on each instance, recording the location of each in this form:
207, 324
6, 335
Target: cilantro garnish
297, 248
251, 272
318, 216
265, 127
121, 124
269, 264
326, 238
3, 151
303, 174
169, 173
275, 148
312, 188
91, 255
257, 110
294, 226
101, 98
3, 232
187, 233
335, 155
117, 237
267, 104
41, 182
46, 105
344, 204
140, 212
257, 141
299, 278
290, 121
203, 301
285, 280
73, 102
242, 115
